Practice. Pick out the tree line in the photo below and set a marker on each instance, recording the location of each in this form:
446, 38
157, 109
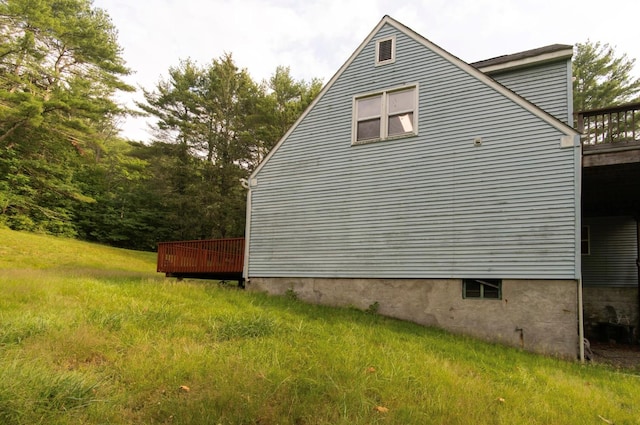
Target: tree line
65, 170
63, 167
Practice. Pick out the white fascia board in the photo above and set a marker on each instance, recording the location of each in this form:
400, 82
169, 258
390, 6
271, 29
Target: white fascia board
521, 63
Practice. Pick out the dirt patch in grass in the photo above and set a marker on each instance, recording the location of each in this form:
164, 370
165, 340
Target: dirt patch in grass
618, 355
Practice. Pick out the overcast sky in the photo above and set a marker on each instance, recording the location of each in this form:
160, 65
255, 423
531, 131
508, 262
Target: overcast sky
315, 37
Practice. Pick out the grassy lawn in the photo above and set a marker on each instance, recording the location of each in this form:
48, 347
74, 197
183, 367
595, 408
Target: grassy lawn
92, 335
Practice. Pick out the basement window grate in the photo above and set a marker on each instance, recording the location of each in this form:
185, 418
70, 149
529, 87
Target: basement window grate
482, 288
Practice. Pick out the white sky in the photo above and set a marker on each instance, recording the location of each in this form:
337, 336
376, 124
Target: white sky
315, 37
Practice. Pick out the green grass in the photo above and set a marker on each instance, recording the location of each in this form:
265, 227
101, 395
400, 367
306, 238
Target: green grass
92, 335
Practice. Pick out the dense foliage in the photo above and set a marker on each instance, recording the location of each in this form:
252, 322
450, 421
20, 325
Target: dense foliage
63, 168
59, 65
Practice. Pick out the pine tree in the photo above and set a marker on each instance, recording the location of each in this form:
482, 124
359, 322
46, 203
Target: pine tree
602, 78
59, 64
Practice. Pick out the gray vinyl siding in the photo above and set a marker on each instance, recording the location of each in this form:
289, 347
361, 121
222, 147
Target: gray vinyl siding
546, 86
613, 245
431, 205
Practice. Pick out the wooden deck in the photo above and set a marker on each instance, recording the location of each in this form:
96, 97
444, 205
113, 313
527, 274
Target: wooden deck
610, 136
610, 160
221, 259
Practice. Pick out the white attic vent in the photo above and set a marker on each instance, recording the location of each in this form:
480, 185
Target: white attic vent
386, 51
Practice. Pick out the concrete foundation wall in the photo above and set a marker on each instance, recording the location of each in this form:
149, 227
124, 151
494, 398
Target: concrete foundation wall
545, 310
596, 298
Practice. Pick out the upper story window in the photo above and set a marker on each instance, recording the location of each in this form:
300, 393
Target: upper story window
384, 115
385, 51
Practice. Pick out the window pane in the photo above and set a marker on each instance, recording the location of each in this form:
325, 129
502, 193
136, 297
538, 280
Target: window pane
585, 233
369, 129
482, 288
400, 124
401, 101
491, 292
471, 289
369, 107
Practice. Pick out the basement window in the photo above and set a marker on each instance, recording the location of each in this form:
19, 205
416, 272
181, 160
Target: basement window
385, 115
482, 288
585, 240
386, 51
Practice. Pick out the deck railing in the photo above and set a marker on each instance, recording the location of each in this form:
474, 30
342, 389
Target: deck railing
613, 127
206, 256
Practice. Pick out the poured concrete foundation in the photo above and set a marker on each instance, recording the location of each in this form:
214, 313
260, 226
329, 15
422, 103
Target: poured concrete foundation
536, 315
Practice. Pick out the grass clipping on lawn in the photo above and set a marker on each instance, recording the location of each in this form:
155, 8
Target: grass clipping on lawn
91, 334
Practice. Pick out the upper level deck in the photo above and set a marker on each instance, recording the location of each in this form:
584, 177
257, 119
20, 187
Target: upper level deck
610, 135
610, 160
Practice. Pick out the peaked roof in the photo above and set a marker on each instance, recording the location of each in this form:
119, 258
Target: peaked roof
469, 69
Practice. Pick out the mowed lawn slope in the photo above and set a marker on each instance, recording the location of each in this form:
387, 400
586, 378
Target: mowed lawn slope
92, 335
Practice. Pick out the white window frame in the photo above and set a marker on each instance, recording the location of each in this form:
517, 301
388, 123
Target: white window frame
384, 114
393, 50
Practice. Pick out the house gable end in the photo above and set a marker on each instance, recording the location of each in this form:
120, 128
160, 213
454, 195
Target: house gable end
482, 189
467, 68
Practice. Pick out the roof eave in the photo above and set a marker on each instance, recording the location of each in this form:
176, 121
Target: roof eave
509, 65
473, 71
